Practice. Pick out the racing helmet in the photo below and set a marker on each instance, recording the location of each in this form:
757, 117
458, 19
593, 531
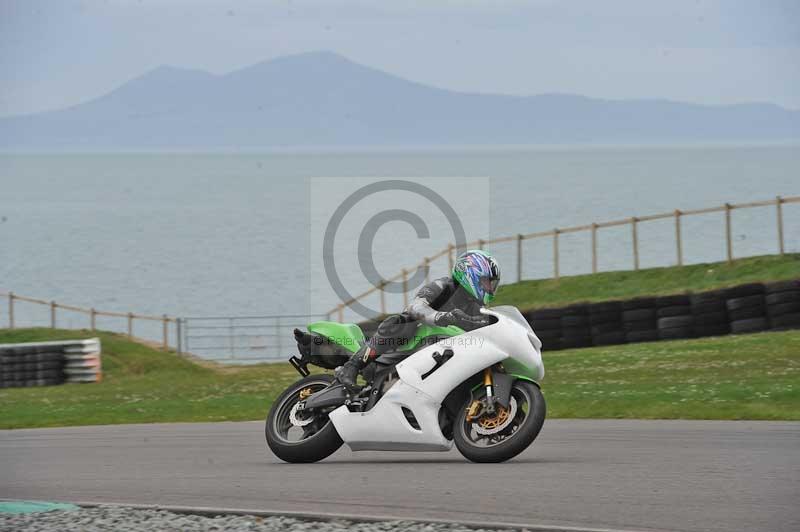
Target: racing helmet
478, 273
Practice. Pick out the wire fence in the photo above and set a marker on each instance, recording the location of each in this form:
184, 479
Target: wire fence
593, 229
238, 339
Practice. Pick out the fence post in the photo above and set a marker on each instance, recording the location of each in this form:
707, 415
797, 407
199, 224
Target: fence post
779, 209
340, 310
555, 253
635, 235
450, 257
130, 324
728, 239
230, 338
383, 296
178, 336
427, 264
481, 243
165, 330
279, 341
678, 242
11, 310
594, 248
405, 288
519, 258
52, 314
92, 318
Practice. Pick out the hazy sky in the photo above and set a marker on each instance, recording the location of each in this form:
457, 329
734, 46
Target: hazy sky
55, 54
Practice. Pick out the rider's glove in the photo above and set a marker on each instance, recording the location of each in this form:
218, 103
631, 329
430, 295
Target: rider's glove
461, 319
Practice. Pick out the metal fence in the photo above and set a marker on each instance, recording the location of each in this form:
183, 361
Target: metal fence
242, 338
633, 222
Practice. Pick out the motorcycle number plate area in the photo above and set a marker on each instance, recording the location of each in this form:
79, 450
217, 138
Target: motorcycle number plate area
404, 419
466, 360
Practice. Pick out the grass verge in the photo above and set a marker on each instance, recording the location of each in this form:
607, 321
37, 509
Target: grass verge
142, 385
654, 281
754, 376
732, 377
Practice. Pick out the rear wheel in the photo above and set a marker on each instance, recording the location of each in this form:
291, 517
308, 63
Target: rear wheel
507, 432
295, 437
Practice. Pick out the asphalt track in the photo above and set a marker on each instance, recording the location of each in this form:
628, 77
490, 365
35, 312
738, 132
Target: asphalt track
620, 474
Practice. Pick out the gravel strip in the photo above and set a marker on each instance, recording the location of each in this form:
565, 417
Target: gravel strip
127, 520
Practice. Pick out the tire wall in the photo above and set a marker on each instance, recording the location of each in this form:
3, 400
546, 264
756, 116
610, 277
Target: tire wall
741, 309
50, 363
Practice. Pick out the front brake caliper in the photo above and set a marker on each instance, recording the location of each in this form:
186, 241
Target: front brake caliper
474, 410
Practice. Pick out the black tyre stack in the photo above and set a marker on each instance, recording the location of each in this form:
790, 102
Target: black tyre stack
22, 366
639, 320
546, 323
605, 320
674, 317
575, 328
741, 309
782, 300
710, 313
747, 309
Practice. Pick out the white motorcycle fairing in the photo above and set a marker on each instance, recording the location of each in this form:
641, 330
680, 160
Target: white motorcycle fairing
386, 427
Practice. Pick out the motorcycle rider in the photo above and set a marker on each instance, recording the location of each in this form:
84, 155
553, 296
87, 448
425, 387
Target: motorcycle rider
453, 300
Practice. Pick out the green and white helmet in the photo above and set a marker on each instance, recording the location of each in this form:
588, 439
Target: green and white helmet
478, 273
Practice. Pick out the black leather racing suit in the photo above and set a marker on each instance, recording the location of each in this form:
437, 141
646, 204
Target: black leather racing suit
437, 297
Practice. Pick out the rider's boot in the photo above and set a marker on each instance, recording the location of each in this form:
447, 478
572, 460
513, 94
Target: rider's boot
348, 373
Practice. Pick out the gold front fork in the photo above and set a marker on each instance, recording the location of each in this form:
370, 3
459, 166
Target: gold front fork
474, 408
489, 385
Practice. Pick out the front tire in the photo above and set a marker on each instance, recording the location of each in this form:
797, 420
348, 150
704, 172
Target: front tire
528, 417
300, 444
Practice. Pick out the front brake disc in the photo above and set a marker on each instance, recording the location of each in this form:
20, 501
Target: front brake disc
502, 418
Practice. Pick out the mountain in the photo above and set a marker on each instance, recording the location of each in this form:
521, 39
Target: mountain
323, 99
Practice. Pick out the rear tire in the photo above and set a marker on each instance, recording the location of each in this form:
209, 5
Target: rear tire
321, 444
518, 440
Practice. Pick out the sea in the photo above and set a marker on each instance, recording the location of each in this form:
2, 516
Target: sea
242, 234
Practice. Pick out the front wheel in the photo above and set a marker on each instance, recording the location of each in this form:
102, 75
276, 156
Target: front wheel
297, 437
507, 432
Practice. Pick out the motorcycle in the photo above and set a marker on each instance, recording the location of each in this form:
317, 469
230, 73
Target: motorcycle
477, 389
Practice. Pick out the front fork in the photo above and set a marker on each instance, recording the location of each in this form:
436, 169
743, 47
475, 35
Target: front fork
489, 386
477, 407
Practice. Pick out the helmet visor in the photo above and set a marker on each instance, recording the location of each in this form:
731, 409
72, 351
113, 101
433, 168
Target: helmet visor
489, 285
